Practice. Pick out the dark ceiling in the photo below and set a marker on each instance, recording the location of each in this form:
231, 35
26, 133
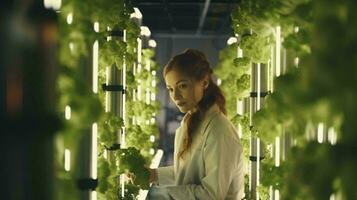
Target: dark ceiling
200, 17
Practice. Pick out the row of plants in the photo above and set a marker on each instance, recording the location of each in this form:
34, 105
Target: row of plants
107, 23
234, 75
318, 93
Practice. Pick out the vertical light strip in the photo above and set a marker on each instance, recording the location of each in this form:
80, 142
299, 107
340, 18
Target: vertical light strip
258, 166
271, 194
93, 195
276, 195
139, 90
250, 111
152, 138
277, 151
153, 97
239, 53
70, 18
333, 197
294, 142
147, 96
240, 112
332, 135
123, 136
109, 37
239, 106
124, 96
271, 148
296, 62
122, 184
105, 153
134, 95
54, 4
106, 92
277, 53
249, 168
320, 132
94, 148
139, 52
153, 84
148, 65
67, 112
71, 47
284, 61
268, 72
250, 165
259, 89
67, 160
272, 72
94, 151
96, 27
95, 67
240, 131
152, 120
283, 153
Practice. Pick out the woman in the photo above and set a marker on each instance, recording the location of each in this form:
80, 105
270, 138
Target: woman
208, 160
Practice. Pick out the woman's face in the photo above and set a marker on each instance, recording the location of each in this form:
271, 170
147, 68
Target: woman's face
184, 91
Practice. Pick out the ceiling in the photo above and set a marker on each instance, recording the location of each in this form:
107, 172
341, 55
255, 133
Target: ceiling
195, 17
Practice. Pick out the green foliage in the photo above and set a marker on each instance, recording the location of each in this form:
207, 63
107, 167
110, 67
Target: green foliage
103, 175
108, 129
131, 161
142, 111
76, 42
234, 75
130, 192
112, 53
243, 120
321, 90
313, 171
256, 47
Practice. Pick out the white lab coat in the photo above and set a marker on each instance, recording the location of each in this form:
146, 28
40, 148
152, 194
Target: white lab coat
211, 169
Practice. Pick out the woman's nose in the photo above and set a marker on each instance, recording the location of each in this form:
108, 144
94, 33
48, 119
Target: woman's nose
177, 95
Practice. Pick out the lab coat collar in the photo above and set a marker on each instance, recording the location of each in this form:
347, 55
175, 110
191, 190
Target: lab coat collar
209, 115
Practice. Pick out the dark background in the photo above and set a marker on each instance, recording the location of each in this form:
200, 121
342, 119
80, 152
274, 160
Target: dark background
176, 25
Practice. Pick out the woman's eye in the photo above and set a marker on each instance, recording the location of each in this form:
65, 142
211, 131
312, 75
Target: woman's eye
170, 89
182, 86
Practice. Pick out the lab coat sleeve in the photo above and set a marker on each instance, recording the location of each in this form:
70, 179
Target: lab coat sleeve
165, 175
221, 153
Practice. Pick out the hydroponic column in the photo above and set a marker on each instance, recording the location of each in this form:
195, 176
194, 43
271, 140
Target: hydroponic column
258, 92
87, 156
78, 87
115, 89
136, 17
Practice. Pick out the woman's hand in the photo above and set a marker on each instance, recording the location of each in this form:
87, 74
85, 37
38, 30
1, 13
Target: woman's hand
131, 177
153, 174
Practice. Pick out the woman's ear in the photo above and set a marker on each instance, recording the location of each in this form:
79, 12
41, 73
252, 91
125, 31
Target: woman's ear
205, 82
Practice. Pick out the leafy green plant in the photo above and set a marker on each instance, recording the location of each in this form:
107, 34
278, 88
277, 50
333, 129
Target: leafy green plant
77, 36
320, 91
